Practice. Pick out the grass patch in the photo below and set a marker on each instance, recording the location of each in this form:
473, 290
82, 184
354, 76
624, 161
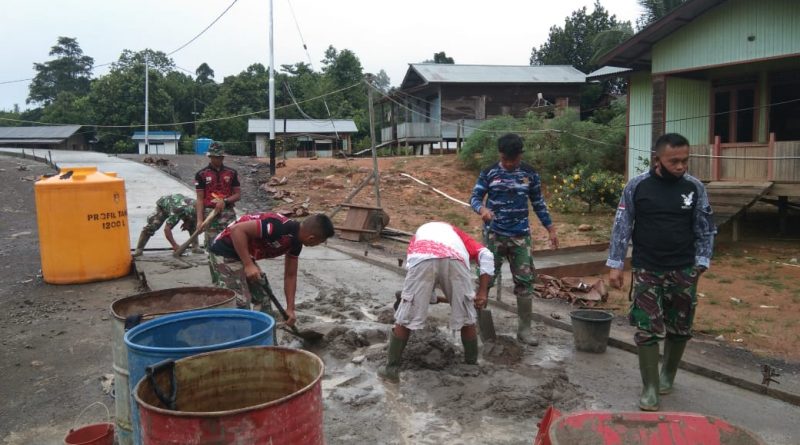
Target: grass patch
710, 275
713, 302
456, 219
718, 331
725, 281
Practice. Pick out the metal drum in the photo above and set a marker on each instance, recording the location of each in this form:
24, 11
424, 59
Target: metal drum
236, 396
188, 333
143, 307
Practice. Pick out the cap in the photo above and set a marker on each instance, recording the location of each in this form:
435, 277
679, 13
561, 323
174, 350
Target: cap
215, 149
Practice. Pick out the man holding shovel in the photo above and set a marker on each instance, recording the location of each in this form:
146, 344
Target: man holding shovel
666, 213
509, 185
264, 235
439, 255
217, 188
169, 210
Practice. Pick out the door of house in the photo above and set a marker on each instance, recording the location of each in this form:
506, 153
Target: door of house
734, 113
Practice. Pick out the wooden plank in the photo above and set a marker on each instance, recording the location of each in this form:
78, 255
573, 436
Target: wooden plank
734, 184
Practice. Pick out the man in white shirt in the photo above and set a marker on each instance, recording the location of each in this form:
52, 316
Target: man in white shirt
439, 255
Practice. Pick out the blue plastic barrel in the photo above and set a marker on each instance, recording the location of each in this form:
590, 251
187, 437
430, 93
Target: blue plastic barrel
189, 333
201, 145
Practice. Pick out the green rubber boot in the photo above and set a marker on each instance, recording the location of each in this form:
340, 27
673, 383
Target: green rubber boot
391, 370
470, 350
524, 308
648, 366
143, 238
673, 351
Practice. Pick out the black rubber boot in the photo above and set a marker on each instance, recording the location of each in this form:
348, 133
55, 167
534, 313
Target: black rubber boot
673, 351
391, 371
470, 350
524, 308
648, 366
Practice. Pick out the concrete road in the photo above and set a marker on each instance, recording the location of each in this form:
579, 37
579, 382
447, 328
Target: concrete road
143, 186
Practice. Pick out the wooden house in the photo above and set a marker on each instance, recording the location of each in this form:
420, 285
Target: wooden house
725, 74
442, 103
53, 137
158, 142
323, 137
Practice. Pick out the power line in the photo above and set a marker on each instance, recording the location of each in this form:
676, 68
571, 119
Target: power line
204, 29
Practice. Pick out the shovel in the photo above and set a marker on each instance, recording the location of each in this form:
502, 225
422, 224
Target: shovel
486, 325
200, 229
309, 336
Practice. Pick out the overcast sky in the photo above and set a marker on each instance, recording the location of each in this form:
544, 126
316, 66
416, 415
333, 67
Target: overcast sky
384, 35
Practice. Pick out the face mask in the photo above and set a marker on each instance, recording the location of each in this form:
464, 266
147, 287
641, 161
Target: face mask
666, 175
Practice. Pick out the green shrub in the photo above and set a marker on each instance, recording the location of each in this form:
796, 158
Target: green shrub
601, 187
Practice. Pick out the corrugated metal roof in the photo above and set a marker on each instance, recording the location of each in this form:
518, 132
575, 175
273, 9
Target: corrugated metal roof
635, 52
31, 141
440, 72
303, 126
44, 132
156, 135
606, 71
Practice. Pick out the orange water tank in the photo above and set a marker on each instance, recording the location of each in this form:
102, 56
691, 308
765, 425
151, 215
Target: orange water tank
83, 226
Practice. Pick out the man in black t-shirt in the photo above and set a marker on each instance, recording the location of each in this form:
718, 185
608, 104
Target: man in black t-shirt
665, 212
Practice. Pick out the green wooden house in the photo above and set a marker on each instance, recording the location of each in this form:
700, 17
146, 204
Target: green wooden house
725, 74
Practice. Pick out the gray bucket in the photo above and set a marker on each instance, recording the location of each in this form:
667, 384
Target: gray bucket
151, 305
590, 329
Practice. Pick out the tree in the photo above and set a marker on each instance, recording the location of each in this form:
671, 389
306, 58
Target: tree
118, 97
574, 44
440, 57
69, 72
655, 9
382, 81
204, 74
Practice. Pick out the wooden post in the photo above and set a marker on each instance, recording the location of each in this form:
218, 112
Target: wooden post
375, 173
715, 161
459, 126
771, 156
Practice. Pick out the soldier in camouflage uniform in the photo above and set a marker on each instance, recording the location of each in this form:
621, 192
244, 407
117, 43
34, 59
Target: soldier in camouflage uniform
666, 213
510, 184
169, 210
217, 187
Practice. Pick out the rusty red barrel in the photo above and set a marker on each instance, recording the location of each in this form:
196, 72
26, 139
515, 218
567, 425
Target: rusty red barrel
129, 312
260, 394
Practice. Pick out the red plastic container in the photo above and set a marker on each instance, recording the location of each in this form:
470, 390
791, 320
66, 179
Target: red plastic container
95, 434
641, 428
248, 395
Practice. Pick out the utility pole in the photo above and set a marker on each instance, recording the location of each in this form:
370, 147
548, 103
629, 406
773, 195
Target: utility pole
146, 104
271, 94
369, 77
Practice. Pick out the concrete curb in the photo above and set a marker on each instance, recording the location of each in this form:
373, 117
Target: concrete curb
692, 367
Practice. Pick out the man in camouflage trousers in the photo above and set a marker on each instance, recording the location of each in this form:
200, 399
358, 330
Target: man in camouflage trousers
169, 210
510, 184
217, 187
666, 213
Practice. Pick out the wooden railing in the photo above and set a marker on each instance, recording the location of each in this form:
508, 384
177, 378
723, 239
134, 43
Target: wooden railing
777, 161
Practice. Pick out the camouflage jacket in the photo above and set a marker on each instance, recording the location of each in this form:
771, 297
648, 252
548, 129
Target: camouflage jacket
179, 208
509, 193
673, 216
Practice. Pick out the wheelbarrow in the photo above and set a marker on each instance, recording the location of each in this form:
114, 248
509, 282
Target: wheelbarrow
639, 428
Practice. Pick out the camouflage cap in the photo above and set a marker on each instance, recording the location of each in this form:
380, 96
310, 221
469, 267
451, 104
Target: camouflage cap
216, 149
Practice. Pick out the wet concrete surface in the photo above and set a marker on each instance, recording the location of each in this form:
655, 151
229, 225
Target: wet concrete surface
439, 399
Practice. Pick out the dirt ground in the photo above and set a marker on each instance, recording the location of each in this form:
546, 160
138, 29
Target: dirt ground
749, 297
50, 335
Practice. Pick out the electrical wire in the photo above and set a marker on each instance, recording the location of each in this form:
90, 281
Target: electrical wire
204, 29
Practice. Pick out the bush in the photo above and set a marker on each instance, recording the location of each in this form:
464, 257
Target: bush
601, 187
